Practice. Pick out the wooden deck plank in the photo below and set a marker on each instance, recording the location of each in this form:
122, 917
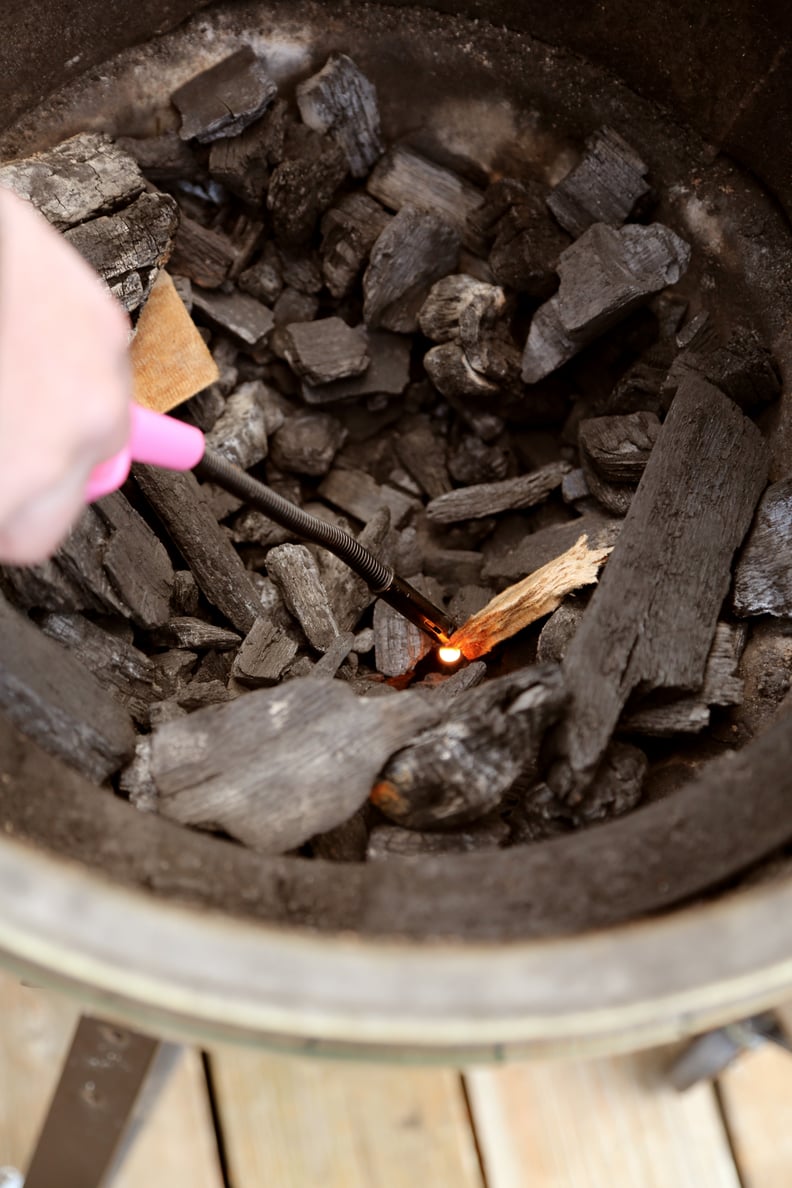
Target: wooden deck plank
757, 1099
293, 1122
603, 1124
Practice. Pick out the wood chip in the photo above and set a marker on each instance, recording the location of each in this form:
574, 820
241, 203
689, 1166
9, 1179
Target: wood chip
388, 373
237, 313
535, 596
350, 229
416, 248
763, 578
296, 574
325, 350
653, 616
341, 100
203, 255
52, 698
224, 99
278, 766
488, 499
404, 177
603, 188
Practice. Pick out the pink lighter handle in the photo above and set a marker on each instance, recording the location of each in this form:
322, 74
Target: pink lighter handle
153, 438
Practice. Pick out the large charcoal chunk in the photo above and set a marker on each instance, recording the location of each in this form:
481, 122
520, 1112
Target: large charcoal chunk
224, 99
603, 188
325, 350
403, 177
416, 249
341, 100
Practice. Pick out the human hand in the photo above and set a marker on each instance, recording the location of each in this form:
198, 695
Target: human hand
65, 386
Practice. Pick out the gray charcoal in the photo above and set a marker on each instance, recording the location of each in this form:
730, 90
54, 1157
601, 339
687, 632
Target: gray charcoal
617, 786
699, 333
307, 443
450, 371
224, 99
604, 275
473, 461
398, 644
254, 528
205, 408
574, 487
160, 714
361, 496
80, 178
303, 186
237, 313
199, 694
240, 433
341, 100
294, 306
744, 369
404, 177
558, 631
334, 657
603, 188
526, 240
346, 843
618, 448
364, 641
325, 350
203, 255
301, 270
614, 498
243, 163
174, 669
641, 388
350, 229
763, 577
264, 279
164, 158
389, 841
454, 567
388, 373
296, 574
421, 451
535, 549
488, 499
194, 634
130, 291
453, 297
185, 596
135, 780
347, 593
278, 766
445, 686
416, 249
467, 601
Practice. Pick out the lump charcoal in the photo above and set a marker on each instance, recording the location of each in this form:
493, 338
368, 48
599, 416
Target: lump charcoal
164, 158
202, 693
415, 249
617, 787
389, 841
347, 594
488, 499
294, 306
452, 567
615, 498
80, 178
766, 674
265, 654
303, 186
325, 350
301, 270
216, 566
451, 372
361, 496
404, 177
743, 369
387, 374
604, 275
763, 577
307, 443
328, 664
55, 700
346, 843
641, 388
243, 163
467, 601
473, 461
185, 596
422, 453
450, 298
398, 644
535, 549
618, 448
296, 574
526, 242
195, 635
240, 433
237, 313
263, 279
603, 188
254, 528
350, 228
574, 488
224, 99
558, 631
341, 100
278, 766
653, 615
202, 255
458, 770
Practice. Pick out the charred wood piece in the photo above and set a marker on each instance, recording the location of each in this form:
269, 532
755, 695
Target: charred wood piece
403, 177
489, 499
361, 496
350, 228
452, 373
526, 241
240, 433
203, 255
340, 100
618, 448
743, 369
195, 635
265, 655
164, 158
416, 248
763, 577
617, 786
263, 279
307, 443
421, 452
387, 374
399, 645
243, 163
237, 313
472, 461
293, 569
325, 350
458, 308
603, 188
303, 185
224, 99
535, 549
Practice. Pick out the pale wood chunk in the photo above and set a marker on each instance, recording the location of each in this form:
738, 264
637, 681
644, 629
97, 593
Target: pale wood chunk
603, 188
238, 314
416, 248
535, 596
341, 100
277, 766
488, 499
165, 320
224, 99
452, 300
405, 177
763, 577
532, 550
325, 350
293, 569
755, 1093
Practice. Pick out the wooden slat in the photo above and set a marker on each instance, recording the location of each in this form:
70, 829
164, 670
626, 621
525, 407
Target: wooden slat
757, 1098
176, 1147
292, 1122
606, 1124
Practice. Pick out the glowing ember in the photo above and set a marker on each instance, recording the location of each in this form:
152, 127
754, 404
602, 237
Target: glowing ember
449, 655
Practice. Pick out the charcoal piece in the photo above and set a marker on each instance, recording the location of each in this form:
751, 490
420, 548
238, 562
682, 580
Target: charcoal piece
604, 275
347, 593
454, 567
387, 374
294, 306
301, 270
199, 694
451, 298
763, 577
254, 528
264, 279
347, 842
450, 371
398, 644
689, 715
618, 448
416, 248
307, 443
205, 408
617, 786
603, 188
472, 461
215, 665
130, 291
488, 499
183, 509
458, 770
699, 333
224, 99
296, 574
743, 369
302, 187
535, 549
389, 841
139, 237
325, 350
526, 241
237, 313
615, 498
641, 388
80, 178
240, 433
652, 618
364, 641
164, 158
185, 595
203, 255
243, 163
574, 487
118, 666
328, 665
361, 496
445, 686
350, 228
341, 100
195, 635
54, 699
766, 674
403, 177
160, 713
467, 601
174, 668
557, 633
278, 766
422, 453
